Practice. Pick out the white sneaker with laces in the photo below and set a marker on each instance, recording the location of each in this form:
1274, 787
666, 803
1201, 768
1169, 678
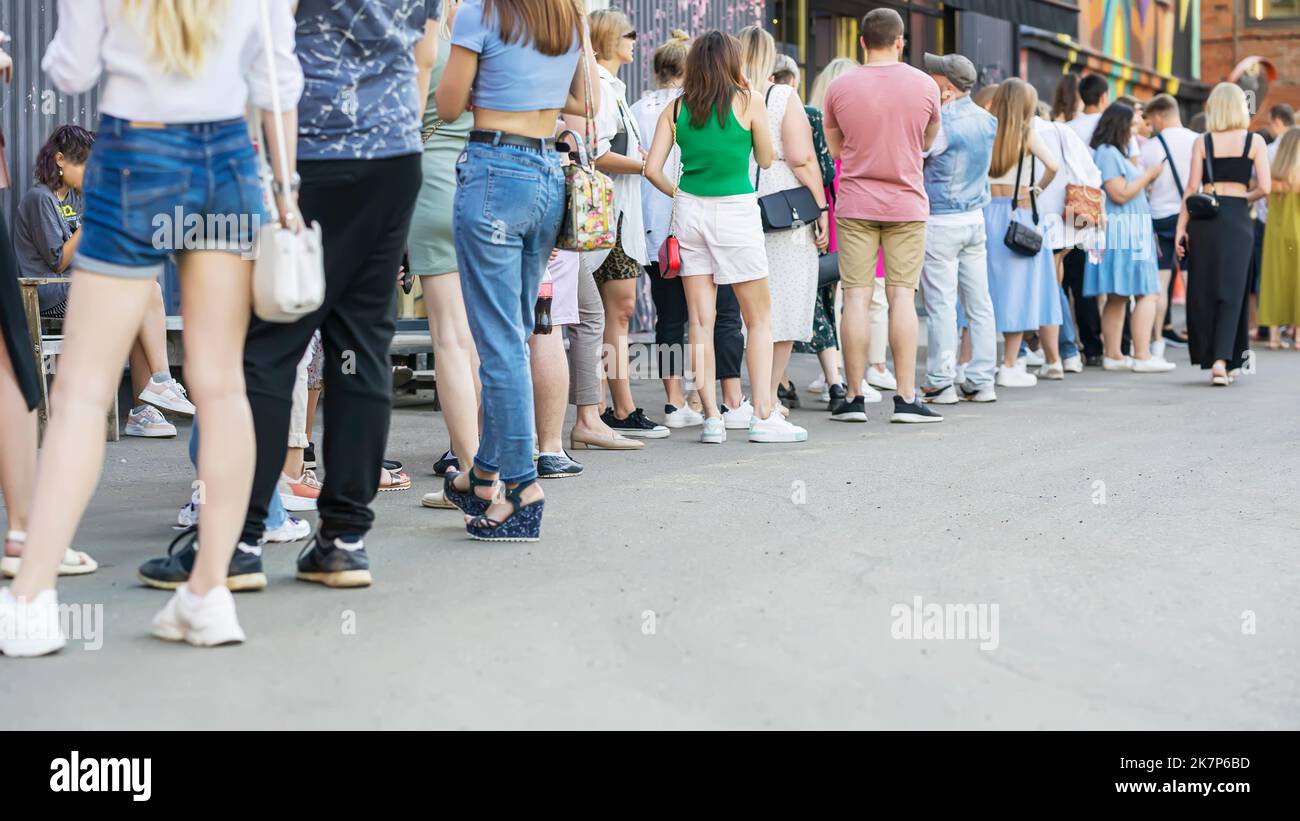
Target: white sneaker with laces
30, 628
714, 431
203, 621
970, 393
776, 428
884, 380
1034, 359
1124, 363
869, 394
1055, 370
293, 530
738, 419
1015, 378
169, 395
683, 417
146, 421
1073, 364
1153, 365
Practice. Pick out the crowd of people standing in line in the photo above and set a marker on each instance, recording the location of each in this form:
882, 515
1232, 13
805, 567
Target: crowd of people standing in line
465, 113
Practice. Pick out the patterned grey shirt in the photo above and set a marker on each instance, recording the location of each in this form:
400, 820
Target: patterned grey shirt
359, 101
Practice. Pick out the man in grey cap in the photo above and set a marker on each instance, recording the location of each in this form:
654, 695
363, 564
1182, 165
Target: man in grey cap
956, 182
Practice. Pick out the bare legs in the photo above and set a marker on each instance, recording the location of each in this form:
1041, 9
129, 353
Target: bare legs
855, 333
550, 389
756, 309
457, 361
1144, 324
902, 338
1011, 347
1112, 326
619, 298
780, 361
701, 312
17, 451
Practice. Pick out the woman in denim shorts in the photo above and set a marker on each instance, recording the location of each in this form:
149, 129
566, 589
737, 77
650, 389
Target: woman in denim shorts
173, 172
522, 60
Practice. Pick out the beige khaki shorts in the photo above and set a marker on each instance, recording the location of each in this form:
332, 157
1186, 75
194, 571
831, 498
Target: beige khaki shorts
860, 242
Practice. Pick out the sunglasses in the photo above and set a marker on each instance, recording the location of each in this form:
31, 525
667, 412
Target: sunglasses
631, 35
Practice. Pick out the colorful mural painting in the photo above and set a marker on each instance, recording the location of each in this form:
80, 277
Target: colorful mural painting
1160, 36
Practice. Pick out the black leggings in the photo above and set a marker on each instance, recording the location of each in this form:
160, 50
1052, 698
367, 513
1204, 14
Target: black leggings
670, 327
363, 249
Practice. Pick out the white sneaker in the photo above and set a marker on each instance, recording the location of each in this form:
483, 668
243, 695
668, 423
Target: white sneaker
942, 396
869, 394
985, 394
818, 385
188, 516
1158, 349
1073, 364
146, 421
1124, 363
683, 417
299, 494
776, 428
960, 377
1034, 359
884, 380
738, 419
714, 431
30, 628
1055, 370
169, 395
1015, 378
1153, 365
293, 530
203, 622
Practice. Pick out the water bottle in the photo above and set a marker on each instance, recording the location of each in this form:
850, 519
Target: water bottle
542, 313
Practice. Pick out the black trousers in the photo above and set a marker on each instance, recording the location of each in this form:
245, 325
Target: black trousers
364, 210
670, 327
1085, 307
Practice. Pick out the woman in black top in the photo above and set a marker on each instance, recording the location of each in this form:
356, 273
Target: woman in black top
1219, 265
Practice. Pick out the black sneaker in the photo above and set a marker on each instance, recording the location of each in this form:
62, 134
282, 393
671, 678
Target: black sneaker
557, 466
838, 393
634, 425
173, 570
913, 412
846, 411
788, 396
1092, 361
446, 463
309, 456
343, 563
1174, 339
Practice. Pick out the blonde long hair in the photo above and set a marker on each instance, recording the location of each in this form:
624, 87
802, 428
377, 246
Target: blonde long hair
1013, 104
179, 31
1286, 163
758, 56
833, 70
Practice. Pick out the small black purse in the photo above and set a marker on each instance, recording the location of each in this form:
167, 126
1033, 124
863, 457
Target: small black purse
787, 209
1203, 206
1021, 238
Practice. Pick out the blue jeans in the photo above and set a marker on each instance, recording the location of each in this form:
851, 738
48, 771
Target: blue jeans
276, 515
150, 192
956, 266
1069, 345
509, 203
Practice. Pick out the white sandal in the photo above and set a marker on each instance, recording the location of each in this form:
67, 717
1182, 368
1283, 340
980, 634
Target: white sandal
75, 563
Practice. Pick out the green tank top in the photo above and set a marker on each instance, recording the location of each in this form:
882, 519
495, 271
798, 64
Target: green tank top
715, 159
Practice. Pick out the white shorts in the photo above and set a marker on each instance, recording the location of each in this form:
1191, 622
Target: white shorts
722, 236
564, 296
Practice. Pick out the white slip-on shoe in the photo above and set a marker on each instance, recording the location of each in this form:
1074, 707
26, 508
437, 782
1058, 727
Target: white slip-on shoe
205, 621
776, 428
1124, 363
1153, 365
1073, 364
1015, 378
1054, 370
1034, 359
970, 393
30, 627
683, 417
884, 380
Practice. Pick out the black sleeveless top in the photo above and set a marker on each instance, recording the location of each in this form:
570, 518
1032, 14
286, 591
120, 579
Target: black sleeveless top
1230, 169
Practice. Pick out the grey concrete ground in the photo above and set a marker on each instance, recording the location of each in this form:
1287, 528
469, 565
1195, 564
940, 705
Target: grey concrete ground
766, 612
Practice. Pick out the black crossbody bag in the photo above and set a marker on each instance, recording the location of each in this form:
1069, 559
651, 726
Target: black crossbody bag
1203, 206
787, 209
1021, 238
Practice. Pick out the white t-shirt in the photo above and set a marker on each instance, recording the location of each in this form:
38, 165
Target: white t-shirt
1164, 198
1084, 125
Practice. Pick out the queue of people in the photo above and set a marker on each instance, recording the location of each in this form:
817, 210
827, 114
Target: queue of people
488, 125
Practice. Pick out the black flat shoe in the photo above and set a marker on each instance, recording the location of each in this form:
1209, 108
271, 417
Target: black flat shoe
447, 463
788, 396
392, 464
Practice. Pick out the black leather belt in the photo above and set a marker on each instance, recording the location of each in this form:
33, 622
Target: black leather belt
514, 140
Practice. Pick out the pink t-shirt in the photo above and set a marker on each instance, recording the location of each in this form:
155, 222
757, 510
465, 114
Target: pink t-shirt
882, 111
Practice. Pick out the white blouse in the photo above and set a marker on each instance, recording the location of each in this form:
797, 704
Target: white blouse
614, 113
97, 37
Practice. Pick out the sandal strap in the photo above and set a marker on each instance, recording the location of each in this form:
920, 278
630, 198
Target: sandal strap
475, 481
511, 496
514, 496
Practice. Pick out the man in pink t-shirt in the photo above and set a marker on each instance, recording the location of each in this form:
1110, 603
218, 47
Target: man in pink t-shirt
880, 118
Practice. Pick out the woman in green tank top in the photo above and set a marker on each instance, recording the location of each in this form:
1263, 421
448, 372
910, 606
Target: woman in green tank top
717, 123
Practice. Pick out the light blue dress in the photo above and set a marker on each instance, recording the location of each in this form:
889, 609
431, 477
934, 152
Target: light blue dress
1023, 289
1128, 264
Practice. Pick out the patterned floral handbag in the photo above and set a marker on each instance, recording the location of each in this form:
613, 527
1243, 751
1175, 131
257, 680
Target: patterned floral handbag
589, 222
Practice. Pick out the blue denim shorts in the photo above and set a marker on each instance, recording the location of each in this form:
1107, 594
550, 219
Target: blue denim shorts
155, 190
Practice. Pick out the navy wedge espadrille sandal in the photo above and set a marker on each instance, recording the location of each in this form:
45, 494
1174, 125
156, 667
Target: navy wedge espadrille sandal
523, 525
468, 503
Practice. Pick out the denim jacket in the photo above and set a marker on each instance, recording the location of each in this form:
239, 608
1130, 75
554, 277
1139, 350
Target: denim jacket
956, 179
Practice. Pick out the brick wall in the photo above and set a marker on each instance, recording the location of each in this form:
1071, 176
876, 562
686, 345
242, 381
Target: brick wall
1280, 45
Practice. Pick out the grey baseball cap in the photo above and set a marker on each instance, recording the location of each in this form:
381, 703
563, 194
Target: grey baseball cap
959, 70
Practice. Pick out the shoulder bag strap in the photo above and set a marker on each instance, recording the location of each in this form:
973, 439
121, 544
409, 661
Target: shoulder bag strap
589, 136
672, 213
1208, 160
758, 168
1178, 183
1015, 189
268, 46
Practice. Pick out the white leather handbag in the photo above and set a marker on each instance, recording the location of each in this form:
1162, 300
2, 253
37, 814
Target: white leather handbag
289, 273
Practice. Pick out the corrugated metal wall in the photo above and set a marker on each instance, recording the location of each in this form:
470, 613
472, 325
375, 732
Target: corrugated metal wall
30, 106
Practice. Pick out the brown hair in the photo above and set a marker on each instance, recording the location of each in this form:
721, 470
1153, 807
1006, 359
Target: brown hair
1065, 103
984, 97
881, 27
607, 27
1013, 105
712, 77
1284, 113
670, 57
552, 27
1160, 104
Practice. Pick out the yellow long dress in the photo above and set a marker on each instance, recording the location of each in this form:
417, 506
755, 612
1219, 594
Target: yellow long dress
1279, 285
